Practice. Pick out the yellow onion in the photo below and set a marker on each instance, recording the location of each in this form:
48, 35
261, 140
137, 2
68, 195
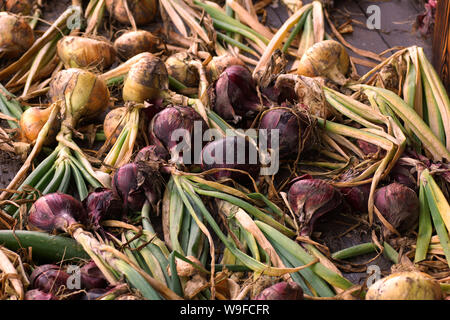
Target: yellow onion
16, 35
18, 6
31, 123
178, 68
85, 95
111, 121
218, 64
83, 52
132, 43
143, 11
326, 58
405, 286
146, 79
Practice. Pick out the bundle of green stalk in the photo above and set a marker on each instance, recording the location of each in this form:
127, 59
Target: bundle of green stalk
77, 96
10, 108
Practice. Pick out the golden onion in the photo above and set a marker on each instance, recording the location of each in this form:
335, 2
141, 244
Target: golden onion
405, 286
16, 35
83, 52
85, 95
326, 58
18, 6
132, 43
219, 63
111, 121
145, 80
178, 68
143, 11
31, 123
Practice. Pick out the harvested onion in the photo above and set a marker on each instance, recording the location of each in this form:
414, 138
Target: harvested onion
111, 125
31, 123
178, 68
219, 63
132, 43
16, 35
143, 11
18, 6
83, 52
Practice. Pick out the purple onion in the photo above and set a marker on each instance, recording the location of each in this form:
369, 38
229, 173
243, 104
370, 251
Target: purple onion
234, 96
399, 205
175, 124
402, 175
282, 291
48, 278
56, 211
94, 294
357, 197
310, 199
231, 152
134, 183
102, 204
152, 153
92, 277
289, 133
37, 294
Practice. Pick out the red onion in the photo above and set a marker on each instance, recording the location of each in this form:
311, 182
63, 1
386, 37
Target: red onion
37, 294
367, 147
92, 277
134, 183
152, 153
399, 205
231, 152
56, 211
282, 291
288, 125
401, 174
357, 197
48, 278
234, 96
100, 205
310, 199
94, 294
164, 131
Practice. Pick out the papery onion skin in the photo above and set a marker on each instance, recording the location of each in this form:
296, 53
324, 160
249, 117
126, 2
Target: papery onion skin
143, 11
102, 204
146, 79
219, 63
399, 205
231, 148
56, 211
357, 197
18, 6
282, 291
405, 286
310, 199
48, 278
132, 43
152, 153
84, 52
36, 294
16, 35
178, 68
92, 277
32, 121
83, 91
110, 124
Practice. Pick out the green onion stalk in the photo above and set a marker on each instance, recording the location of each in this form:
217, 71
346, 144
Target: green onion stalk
10, 107
77, 95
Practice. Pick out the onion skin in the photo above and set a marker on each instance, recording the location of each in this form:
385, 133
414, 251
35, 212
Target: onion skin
399, 205
282, 291
178, 68
146, 79
86, 93
48, 278
31, 123
405, 286
325, 58
310, 199
218, 64
357, 197
56, 211
111, 121
18, 6
83, 52
234, 96
152, 153
37, 294
102, 204
230, 146
132, 43
289, 128
143, 11
92, 277
16, 36
170, 119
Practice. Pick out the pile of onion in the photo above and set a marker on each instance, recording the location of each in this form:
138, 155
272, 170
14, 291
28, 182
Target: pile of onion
143, 11
16, 35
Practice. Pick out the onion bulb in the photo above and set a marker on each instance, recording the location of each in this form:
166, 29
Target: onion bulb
111, 121
18, 6
16, 35
327, 58
132, 43
84, 52
37, 294
146, 79
85, 95
48, 278
219, 63
143, 11
285, 290
31, 123
405, 286
178, 68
